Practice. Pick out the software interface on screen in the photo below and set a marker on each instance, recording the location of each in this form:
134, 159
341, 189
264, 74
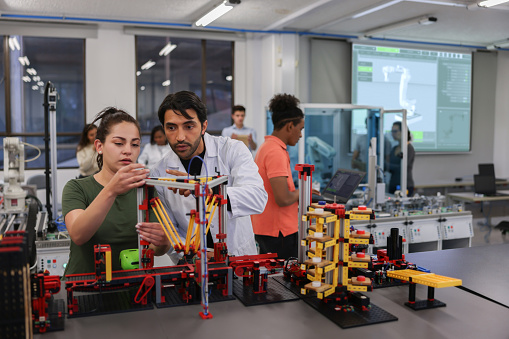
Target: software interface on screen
434, 87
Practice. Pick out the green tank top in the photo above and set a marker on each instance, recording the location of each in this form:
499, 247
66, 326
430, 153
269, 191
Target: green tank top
118, 229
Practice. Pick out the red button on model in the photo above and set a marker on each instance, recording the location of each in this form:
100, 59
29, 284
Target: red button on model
360, 254
361, 232
361, 278
362, 208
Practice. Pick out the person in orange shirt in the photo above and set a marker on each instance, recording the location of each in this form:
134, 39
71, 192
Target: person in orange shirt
276, 229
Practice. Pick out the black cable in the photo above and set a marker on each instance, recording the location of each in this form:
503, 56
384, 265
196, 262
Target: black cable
39, 203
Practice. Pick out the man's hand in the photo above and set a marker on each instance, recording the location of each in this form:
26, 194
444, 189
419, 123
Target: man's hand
181, 191
234, 136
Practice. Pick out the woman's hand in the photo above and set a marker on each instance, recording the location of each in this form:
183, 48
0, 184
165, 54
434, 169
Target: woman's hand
153, 233
127, 178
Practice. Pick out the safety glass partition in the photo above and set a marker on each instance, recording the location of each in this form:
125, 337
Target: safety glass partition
395, 150
336, 136
27, 65
167, 65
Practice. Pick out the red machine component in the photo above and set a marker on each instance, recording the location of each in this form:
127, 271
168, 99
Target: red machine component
102, 256
147, 258
254, 269
43, 287
144, 288
220, 251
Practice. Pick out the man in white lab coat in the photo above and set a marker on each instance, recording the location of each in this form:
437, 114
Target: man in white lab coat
184, 119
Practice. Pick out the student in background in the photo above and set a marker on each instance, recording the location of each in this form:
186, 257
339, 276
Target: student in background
276, 229
395, 161
85, 152
238, 131
102, 208
157, 148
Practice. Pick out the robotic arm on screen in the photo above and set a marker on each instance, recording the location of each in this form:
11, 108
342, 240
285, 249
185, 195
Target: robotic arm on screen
408, 104
315, 149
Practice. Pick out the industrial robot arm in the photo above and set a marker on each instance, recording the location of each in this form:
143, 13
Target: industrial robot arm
315, 149
14, 174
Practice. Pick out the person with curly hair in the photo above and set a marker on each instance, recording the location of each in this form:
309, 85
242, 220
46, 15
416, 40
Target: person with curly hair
276, 229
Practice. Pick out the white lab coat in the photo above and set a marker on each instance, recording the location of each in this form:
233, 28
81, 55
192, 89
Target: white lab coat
152, 154
244, 189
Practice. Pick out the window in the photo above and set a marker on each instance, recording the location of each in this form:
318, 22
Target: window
200, 66
28, 63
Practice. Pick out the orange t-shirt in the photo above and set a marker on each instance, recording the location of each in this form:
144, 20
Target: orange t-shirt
273, 161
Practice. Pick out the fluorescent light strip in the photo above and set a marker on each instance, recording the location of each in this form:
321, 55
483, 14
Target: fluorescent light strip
356, 14
167, 49
397, 25
14, 44
214, 14
441, 3
24, 61
166, 83
490, 3
148, 65
375, 9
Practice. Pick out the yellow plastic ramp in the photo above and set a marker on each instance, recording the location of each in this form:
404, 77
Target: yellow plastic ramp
423, 278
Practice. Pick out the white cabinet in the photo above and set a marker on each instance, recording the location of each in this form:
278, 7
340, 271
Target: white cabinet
421, 233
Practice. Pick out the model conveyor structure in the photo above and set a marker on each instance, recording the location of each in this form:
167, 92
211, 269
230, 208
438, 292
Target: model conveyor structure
328, 241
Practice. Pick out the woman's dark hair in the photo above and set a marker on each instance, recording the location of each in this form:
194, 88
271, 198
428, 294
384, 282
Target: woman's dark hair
398, 123
111, 116
84, 136
284, 108
180, 102
156, 129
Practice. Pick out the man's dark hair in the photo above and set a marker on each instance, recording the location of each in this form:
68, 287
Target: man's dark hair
238, 108
180, 102
284, 108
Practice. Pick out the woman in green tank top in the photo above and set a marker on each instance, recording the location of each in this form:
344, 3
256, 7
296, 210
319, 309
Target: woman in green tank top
101, 209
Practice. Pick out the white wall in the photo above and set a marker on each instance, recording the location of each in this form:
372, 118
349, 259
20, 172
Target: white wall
110, 71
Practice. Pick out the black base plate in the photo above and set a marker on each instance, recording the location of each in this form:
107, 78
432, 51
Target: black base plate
108, 302
425, 304
355, 318
291, 286
275, 293
56, 314
173, 298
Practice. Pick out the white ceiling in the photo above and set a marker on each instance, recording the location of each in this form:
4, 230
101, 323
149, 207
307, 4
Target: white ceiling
455, 24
